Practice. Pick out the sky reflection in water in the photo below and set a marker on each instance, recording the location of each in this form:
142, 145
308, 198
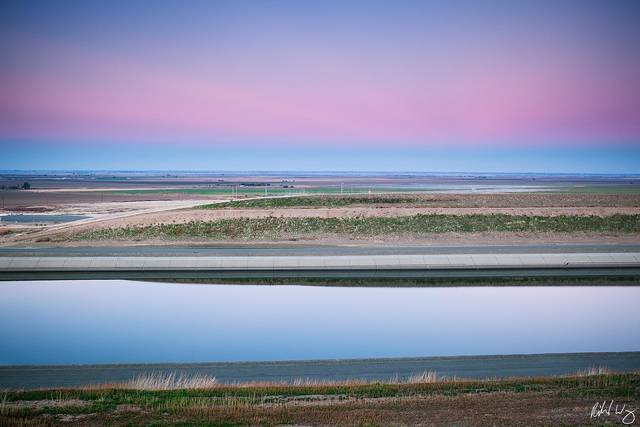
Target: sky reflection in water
68, 322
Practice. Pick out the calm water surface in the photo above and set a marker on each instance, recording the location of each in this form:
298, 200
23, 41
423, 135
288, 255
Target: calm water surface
83, 322
40, 219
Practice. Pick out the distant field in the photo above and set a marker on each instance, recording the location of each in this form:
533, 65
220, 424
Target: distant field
200, 401
381, 190
69, 195
599, 189
278, 227
247, 191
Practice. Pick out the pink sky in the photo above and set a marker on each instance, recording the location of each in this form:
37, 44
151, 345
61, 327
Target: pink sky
497, 76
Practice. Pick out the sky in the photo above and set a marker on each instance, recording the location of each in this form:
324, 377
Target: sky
496, 86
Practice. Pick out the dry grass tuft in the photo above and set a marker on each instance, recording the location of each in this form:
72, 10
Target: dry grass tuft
594, 370
425, 377
168, 381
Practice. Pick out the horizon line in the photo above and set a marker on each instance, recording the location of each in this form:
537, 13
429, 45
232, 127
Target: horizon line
238, 171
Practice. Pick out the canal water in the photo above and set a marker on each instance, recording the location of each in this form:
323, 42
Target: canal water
40, 219
96, 322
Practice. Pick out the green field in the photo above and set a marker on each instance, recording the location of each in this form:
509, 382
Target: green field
509, 401
318, 201
305, 227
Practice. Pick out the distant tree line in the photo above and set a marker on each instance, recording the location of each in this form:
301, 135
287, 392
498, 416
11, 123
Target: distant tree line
24, 186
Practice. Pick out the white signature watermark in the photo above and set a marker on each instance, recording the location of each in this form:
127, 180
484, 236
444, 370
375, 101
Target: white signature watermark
606, 409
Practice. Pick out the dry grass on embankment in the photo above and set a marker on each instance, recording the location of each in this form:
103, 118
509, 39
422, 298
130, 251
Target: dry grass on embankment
274, 228
424, 399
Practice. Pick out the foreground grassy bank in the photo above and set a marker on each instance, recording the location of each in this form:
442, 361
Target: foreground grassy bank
530, 401
304, 227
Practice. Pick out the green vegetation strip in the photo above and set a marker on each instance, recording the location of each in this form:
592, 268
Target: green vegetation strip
315, 201
613, 385
275, 227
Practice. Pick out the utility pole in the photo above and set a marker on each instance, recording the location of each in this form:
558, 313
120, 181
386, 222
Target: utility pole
265, 189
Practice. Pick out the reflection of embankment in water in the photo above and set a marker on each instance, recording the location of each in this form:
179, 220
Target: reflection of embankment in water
414, 282
600, 276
